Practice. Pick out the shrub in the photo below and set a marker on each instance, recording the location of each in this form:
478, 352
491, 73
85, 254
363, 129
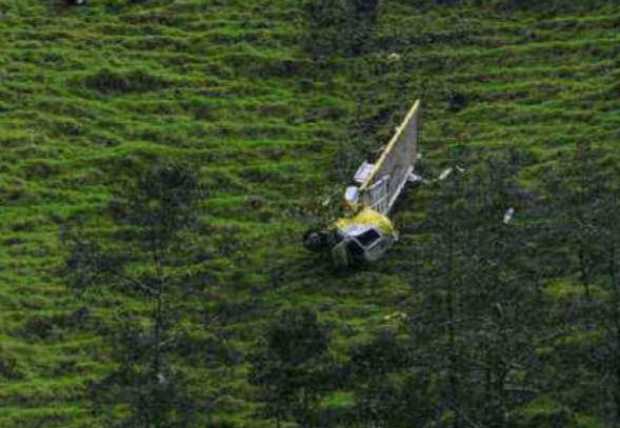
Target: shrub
289, 366
111, 82
37, 327
339, 27
8, 367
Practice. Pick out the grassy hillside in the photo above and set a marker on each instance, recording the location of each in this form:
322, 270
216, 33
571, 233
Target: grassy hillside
90, 94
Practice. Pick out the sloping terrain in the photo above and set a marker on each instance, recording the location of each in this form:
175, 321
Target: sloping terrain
90, 94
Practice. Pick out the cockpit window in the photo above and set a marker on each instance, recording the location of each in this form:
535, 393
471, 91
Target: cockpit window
368, 237
354, 249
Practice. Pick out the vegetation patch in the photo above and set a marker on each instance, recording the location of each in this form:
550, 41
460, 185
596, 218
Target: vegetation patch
271, 106
112, 82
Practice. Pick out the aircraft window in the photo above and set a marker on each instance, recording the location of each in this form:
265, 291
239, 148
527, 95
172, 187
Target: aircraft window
368, 237
355, 249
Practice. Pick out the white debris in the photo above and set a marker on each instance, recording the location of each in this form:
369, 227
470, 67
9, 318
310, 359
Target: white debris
499, 310
415, 178
396, 316
351, 195
508, 215
363, 172
444, 174
394, 57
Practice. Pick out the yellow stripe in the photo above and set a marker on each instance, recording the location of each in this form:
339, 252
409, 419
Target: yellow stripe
390, 146
367, 217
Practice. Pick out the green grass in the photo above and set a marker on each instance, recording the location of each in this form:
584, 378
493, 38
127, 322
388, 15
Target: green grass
90, 94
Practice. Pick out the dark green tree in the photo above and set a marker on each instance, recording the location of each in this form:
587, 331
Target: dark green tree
473, 318
339, 27
153, 215
437, 328
575, 188
388, 392
597, 356
290, 367
577, 245
501, 302
607, 353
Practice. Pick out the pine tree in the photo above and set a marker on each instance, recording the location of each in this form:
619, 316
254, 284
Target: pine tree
290, 367
473, 326
152, 215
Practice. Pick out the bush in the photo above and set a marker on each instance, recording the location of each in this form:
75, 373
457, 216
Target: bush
50, 327
8, 367
110, 82
339, 27
382, 355
290, 366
